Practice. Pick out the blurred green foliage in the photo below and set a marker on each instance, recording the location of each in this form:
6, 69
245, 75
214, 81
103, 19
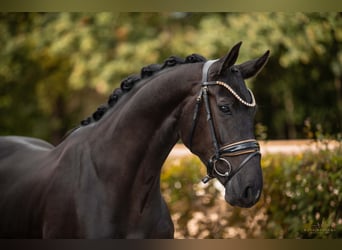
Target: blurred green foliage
56, 68
302, 198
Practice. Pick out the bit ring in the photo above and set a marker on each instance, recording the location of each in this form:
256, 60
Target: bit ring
225, 174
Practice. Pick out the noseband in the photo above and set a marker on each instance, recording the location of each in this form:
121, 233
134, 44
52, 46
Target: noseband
250, 146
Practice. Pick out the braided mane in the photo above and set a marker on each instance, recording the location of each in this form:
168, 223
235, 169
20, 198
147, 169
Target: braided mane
128, 83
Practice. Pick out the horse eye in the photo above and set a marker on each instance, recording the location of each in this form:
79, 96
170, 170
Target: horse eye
225, 109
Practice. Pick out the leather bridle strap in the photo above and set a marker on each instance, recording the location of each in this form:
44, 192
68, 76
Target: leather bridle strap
249, 146
210, 120
206, 68
239, 148
205, 71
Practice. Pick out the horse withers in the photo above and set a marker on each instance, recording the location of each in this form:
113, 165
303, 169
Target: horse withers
103, 179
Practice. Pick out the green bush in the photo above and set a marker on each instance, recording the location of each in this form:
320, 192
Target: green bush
302, 198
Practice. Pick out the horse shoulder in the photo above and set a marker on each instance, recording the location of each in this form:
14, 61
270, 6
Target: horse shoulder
23, 175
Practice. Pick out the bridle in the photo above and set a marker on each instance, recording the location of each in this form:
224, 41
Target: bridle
250, 146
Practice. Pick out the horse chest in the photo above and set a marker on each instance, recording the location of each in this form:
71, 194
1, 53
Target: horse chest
155, 222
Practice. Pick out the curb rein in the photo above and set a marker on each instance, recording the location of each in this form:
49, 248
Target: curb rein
250, 146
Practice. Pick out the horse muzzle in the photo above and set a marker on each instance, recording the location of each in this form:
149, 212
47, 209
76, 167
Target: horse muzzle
241, 189
243, 193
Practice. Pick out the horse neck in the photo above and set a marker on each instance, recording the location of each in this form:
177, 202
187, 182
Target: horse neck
133, 139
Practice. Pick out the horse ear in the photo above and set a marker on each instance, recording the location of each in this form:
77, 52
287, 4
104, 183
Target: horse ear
229, 60
253, 67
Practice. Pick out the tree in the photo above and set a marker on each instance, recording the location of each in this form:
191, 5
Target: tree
57, 67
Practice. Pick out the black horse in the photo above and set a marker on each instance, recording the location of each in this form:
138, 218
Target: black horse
103, 179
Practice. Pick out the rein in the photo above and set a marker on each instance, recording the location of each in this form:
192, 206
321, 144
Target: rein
250, 146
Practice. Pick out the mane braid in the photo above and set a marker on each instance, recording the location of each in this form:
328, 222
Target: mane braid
128, 83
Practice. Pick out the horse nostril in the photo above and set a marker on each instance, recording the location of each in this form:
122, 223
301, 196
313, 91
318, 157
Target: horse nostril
247, 193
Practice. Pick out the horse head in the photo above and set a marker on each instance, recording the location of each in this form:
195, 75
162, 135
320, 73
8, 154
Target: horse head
217, 124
